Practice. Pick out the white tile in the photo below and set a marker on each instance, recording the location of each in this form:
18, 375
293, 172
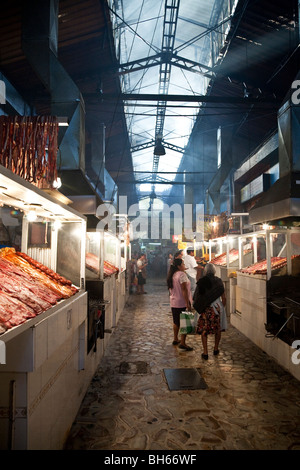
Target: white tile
40, 338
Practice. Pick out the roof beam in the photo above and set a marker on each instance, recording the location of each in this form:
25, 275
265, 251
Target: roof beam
165, 58
174, 147
143, 146
186, 98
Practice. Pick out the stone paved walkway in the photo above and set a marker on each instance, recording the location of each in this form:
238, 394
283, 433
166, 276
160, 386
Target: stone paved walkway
250, 403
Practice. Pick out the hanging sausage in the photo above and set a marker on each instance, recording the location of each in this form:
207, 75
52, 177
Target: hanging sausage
28, 147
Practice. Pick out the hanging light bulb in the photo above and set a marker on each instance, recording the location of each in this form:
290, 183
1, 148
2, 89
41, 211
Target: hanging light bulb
31, 216
57, 183
57, 224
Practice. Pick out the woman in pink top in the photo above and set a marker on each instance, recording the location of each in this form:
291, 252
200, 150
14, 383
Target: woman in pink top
180, 298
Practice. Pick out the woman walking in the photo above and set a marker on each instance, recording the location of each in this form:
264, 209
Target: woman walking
180, 298
209, 301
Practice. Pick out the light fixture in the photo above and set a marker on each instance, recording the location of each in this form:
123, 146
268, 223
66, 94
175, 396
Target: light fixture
153, 194
57, 183
236, 214
57, 224
31, 216
159, 149
63, 121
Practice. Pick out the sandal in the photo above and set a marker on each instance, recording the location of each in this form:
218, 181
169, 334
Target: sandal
187, 348
216, 352
204, 356
175, 343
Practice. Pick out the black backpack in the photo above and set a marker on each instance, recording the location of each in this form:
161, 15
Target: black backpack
208, 289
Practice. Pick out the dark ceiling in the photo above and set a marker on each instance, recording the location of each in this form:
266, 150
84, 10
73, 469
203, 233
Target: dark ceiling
86, 51
262, 53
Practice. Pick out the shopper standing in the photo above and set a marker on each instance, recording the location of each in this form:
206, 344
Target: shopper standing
191, 267
178, 254
169, 262
180, 298
209, 301
141, 273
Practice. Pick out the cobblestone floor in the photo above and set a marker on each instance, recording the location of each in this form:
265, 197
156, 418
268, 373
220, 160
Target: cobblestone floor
250, 402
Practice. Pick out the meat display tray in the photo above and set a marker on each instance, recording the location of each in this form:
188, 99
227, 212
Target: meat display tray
17, 330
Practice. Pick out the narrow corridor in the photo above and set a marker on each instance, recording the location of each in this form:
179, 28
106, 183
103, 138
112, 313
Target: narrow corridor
250, 402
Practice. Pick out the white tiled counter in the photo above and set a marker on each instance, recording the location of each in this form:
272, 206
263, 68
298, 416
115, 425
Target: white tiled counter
109, 294
250, 318
45, 377
121, 294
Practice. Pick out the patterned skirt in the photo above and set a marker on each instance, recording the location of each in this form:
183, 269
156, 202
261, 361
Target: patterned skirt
209, 320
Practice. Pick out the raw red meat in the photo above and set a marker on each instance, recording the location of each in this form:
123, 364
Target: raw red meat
261, 267
46, 270
12, 311
27, 290
92, 262
63, 290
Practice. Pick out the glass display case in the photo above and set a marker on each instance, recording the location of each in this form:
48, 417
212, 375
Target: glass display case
43, 309
93, 256
42, 242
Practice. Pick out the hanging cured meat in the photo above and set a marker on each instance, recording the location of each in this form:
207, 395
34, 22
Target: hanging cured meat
28, 147
28, 288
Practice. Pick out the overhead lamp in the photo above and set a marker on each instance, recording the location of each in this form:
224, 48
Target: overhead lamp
57, 224
63, 121
159, 149
247, 92
31, 216
153, 195
57, 183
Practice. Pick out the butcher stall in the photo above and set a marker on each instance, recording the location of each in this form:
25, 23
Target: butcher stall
267, 294
227, 254
105, 265
44, 368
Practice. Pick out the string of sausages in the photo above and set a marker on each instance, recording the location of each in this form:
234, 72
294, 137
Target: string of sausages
28, 147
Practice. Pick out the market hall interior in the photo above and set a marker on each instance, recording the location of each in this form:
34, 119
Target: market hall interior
84, 132
245, 399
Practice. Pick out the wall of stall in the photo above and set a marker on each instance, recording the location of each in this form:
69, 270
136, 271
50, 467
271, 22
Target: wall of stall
250, 292
45, 370
48, 361
106, 260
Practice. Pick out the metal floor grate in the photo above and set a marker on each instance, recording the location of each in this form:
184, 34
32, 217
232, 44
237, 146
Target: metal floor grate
184, 379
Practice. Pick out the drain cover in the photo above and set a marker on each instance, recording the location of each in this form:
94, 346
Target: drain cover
138, 367
184, 379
